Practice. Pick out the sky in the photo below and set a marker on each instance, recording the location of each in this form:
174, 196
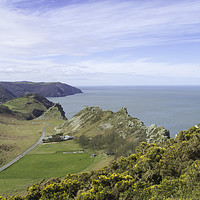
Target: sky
100, 42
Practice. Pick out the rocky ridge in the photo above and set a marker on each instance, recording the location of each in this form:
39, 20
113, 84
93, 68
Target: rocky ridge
92, 121
56, 111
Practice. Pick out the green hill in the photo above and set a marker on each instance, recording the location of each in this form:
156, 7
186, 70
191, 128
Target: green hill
27, 107
10, 90
5, 95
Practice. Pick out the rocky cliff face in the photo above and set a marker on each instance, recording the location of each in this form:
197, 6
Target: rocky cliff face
56, 111
18, 89
92, 121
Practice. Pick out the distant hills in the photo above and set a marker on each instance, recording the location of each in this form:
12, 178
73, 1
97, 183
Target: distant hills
11, 90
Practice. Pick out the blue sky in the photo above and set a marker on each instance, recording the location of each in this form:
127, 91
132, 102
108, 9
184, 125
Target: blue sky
111, 42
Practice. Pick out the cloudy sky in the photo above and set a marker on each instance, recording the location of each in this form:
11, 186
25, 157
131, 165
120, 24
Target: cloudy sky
101, 42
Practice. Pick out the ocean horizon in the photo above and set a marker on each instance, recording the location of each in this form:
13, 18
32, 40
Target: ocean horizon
174, 107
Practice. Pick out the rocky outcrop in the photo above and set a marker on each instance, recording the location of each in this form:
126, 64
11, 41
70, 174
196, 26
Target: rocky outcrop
17, 89
156, 134
56, 111
92, 121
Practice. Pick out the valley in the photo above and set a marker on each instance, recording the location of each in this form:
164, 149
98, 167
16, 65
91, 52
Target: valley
110, 155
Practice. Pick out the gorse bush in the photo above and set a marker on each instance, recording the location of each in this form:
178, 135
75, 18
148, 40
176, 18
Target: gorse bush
170, 170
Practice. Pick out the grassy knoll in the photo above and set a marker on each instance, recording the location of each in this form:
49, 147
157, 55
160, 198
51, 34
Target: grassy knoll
24, 105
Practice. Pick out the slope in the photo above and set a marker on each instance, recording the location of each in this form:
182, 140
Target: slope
54, 89
117, 133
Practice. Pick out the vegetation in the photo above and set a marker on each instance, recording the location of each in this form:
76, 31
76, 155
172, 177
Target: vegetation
170, 170
40, 166
111, 143
16, 136
28, 107
166, 170
10, 90
46, 161
5, 95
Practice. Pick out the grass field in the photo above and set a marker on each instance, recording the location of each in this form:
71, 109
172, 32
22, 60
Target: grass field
39, 166
17, 136
45, 161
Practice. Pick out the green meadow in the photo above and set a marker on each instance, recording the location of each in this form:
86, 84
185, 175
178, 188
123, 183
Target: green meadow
44, 162
39, 166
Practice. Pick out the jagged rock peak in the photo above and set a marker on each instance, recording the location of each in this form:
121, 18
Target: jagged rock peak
93, 121
156, 134
124, 109
55, 111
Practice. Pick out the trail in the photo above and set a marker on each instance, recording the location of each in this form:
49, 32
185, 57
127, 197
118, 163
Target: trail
24, 153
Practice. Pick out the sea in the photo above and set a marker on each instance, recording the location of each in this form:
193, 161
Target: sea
174, 107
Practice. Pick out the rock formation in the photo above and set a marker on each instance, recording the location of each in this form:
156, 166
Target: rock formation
93, 121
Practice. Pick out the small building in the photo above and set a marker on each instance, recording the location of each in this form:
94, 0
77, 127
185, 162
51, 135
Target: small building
67, 137
57, 138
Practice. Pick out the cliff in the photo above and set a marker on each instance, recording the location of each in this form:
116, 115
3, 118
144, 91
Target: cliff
12, 90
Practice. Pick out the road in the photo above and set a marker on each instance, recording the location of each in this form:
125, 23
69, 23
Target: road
24, 153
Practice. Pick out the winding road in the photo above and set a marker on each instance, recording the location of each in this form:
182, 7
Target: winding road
24, 153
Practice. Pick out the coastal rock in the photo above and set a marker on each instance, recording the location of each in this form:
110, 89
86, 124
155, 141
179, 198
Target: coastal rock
93, 121
56, 111
156, 134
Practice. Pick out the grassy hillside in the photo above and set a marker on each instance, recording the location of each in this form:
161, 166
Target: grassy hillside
28, 107
51, 89
16, 136
5, 95
170, 170
47, 161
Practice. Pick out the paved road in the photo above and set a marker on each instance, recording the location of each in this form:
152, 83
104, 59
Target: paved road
23, 154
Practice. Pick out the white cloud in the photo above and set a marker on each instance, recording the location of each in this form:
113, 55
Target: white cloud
92, 27
98, 26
